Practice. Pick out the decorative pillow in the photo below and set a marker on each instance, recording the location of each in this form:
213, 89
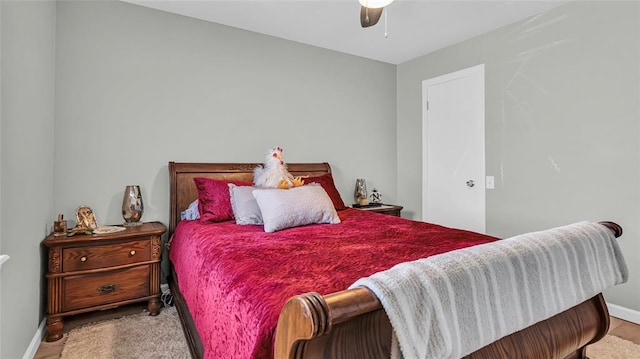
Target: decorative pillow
191, 213
326, 181
244, 205
298, 206
214, 203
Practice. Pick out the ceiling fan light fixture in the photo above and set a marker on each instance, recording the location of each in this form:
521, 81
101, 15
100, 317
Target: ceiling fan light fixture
375, 4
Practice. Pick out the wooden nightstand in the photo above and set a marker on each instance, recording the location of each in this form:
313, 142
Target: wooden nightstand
102, 271
390, 209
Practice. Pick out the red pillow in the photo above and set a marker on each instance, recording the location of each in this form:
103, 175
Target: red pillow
214, 202
326, 181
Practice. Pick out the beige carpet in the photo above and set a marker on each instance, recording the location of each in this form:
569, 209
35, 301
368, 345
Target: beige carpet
137, 336
611, 347
141, 336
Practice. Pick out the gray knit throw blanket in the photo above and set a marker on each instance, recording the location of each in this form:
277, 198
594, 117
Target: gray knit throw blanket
452, 304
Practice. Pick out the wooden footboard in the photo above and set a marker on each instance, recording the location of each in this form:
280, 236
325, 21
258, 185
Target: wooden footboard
352, 325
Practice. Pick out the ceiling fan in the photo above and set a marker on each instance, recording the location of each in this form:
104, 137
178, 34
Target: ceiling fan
371, 10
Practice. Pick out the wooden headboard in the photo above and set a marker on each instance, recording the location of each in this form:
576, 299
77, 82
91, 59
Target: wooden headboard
182, 190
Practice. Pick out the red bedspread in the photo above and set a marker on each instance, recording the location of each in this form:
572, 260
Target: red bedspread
235, 279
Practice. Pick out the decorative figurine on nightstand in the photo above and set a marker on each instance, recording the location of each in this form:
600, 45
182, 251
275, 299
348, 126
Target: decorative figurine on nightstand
85, 219
376, 197
85, 222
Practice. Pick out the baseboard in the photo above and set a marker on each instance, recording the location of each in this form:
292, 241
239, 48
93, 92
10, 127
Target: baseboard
35, 342
623, 313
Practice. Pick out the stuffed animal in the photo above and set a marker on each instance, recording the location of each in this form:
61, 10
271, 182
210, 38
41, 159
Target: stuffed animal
274, 173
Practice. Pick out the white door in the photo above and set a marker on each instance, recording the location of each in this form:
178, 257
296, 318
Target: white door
453, 168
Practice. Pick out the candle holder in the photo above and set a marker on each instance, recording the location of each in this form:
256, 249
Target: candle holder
60, 226
132, 206
360, 193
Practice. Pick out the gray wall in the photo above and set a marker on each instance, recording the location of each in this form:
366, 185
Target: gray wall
26, 159
136, 88
562, 123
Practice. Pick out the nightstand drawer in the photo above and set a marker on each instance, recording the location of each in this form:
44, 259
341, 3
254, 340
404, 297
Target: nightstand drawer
86, 290
93, 257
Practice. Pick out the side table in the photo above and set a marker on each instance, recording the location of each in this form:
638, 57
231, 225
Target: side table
390, 209
102, 271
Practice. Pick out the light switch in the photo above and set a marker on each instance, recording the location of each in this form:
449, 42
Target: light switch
490, 182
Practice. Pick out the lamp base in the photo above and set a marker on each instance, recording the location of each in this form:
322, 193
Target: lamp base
132, 224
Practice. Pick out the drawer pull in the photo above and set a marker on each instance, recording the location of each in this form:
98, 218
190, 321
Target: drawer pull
83, 259
132, 253
107, 288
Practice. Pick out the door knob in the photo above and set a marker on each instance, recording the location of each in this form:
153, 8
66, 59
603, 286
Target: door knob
470, 183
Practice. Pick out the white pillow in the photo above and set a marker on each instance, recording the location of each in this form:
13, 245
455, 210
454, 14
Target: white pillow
298, 206
244, 205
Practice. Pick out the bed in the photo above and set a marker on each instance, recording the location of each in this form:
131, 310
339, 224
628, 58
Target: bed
315, 323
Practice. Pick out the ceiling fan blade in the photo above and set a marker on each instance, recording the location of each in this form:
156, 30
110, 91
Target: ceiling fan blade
369, 16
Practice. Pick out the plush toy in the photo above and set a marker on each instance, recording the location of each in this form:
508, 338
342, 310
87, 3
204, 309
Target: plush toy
274, 173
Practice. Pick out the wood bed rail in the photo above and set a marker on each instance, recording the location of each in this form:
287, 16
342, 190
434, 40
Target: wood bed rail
306, 318
311, 315
613, 227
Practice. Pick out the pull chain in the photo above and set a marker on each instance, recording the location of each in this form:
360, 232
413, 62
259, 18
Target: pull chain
386, 34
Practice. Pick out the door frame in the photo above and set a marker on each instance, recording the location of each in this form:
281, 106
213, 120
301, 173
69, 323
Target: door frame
474, 70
